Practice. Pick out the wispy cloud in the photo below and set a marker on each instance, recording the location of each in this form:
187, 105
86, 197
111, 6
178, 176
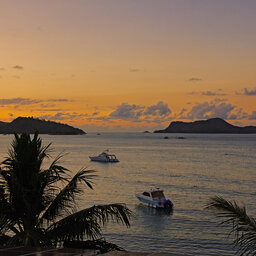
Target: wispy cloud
58, 100
194, 79
64, 116
212, 93
46, 105
134, 70
18, 67
208, 93
2, 69
16, 101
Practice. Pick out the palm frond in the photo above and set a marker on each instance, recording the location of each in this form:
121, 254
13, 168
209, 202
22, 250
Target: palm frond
65, 200
88, 222
32, 198
49, 178
243, 226
31, 238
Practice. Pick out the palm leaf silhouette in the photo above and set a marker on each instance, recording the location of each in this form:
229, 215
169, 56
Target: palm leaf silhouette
242, 226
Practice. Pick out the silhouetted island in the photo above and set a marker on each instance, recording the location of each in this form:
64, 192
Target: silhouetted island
30, 125
213, 125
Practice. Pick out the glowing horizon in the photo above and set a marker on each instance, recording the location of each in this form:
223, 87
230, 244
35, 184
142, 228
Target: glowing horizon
128, 65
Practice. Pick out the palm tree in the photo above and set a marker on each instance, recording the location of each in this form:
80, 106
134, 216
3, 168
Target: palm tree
242, 225
37, 205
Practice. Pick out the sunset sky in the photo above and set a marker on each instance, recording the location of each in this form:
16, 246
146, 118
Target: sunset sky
128, 64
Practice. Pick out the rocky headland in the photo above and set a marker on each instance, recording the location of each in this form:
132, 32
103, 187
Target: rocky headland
213, 125
30, 125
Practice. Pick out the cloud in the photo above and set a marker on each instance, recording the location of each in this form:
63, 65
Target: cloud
134, 70
216, 108
138, 113
2, 69
17, 101
249, 92
211, 93
210, 110
238, 115
28, 101
18, 67
160, 109
58, 100
217, 100
252, 116
127, 111
44, 109
199, 111
59, 116
207, 93
181, 114
194, 79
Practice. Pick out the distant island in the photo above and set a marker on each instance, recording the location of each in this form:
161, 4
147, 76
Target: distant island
30, 125
213, 125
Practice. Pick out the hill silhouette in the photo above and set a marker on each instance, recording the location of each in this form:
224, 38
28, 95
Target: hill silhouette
213, 125
30, 125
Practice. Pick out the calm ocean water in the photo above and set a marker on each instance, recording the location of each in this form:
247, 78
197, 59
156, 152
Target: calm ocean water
190, 171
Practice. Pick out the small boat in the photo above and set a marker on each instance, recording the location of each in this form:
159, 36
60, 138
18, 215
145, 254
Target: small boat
166, 137
104, 157
155, 198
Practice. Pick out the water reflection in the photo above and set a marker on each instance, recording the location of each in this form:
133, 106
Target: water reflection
152, 220
141, 209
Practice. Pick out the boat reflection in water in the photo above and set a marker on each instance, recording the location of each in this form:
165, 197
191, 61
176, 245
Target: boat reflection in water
142, 209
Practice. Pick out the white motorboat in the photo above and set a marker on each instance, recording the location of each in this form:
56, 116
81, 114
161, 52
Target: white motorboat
104, 157
155, 198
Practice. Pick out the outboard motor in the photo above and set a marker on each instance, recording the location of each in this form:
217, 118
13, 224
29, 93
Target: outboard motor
168, 204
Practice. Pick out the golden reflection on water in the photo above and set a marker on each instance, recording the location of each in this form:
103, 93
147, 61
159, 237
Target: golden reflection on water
190, 171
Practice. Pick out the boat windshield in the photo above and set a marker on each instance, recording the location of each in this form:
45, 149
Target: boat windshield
158, 194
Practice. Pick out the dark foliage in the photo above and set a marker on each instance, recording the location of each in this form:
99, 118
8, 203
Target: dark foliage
37, 205
242, 226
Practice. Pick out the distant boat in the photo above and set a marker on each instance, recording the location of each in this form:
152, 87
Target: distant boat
180, 138
146, 132
104, 157
155, 198
166, 137
98, 133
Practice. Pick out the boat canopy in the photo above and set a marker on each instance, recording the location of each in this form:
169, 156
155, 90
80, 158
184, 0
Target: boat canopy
158, 193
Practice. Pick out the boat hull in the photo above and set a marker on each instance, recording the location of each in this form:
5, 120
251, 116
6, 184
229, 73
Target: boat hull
161, 203
98, 159
149, 203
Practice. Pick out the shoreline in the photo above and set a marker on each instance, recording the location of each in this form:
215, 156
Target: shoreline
131, 253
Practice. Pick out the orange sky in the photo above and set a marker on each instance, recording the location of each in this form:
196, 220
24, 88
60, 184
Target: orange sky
134, 65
